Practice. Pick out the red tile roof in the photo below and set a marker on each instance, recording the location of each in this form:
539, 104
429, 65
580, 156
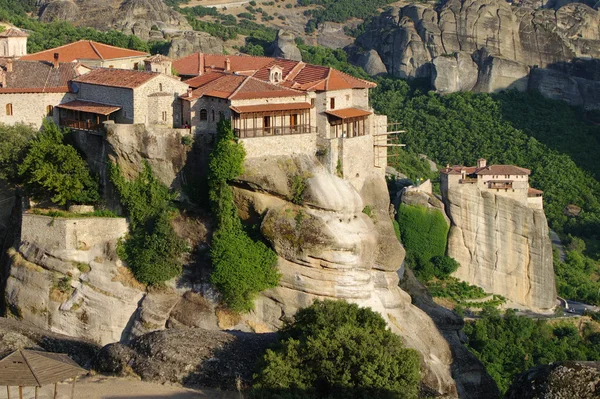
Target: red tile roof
124, 78
38, 77
158, 58
270, 107
296, 75
13, 32
532, 192
235, 87
498, 170
90, 106
348, 113
84, 50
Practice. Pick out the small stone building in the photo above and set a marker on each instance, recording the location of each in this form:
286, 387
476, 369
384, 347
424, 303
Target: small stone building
123, 96
13, 43
30, 90
92, 54
505, 180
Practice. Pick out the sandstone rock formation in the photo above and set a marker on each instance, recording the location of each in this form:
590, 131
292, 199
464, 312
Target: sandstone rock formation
572, 379
128, 16
329, 248
472, 379
285, 46
412, 39
16, 335
453, 73
502, 246
371, 62
189, 42
190, 356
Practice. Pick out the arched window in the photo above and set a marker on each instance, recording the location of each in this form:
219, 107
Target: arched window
160, 87
49, 110
9, 109
203, 115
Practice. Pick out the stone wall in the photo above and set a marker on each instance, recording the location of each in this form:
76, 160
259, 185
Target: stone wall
213, 106
258, 147
31, 108
160, 84
110, 95
13, 46
70, 233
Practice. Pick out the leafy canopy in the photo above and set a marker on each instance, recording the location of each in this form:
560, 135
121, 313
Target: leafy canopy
152, 250
54, 170
13, 142
334, 349
243, 267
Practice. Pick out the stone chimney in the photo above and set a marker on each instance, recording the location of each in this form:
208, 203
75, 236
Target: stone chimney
200, 63
9, 65
189, 92
56, 62
228, 64
481, 163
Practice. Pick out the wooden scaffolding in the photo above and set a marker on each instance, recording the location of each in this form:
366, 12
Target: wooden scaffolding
383, 141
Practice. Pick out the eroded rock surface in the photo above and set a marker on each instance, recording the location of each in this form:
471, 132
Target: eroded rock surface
190, 356
285, 46
329, 248
502, 246
572, 379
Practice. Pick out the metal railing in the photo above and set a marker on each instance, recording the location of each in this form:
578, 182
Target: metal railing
274, 131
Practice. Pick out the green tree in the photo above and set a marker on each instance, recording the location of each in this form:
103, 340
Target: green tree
54, 170
243, 267
334, 349
152, 250
13, 142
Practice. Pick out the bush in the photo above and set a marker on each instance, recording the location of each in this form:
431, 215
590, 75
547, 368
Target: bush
152, 250
54, 170
444, 266
242, 267
13, 142
337, 350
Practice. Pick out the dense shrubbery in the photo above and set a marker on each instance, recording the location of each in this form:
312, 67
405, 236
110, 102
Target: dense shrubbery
424, 233
152, 249
337, 350
13, 142
575, 277
509, 345
341, 10
54, 170
332, 58
242, 266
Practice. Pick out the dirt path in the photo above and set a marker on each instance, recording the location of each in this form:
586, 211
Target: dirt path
100, 387
218, 4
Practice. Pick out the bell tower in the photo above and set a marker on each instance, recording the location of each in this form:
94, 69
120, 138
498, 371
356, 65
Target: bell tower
13, 43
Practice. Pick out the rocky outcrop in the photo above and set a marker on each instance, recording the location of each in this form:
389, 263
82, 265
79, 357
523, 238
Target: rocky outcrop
190, 356
420, 41
472, 379
562, 86
189, 42
129, 16
329, 248
370, 61
66, 277
285, 46
456, 72
16, 335
570, 379
502, 245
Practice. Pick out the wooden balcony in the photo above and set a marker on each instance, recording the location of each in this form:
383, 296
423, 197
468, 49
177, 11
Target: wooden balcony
274, 131
87, 125
468, 180
499, 185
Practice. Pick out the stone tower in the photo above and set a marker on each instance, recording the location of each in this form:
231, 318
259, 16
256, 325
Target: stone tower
159, 63
13, 43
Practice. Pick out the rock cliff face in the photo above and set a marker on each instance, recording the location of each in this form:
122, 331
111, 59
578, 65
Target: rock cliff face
284, 46
128, 16
419, 41
502, 246
329, 248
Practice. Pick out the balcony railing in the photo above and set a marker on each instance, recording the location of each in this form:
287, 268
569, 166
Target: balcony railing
81, 125
274, 131
468, 180
500, 185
